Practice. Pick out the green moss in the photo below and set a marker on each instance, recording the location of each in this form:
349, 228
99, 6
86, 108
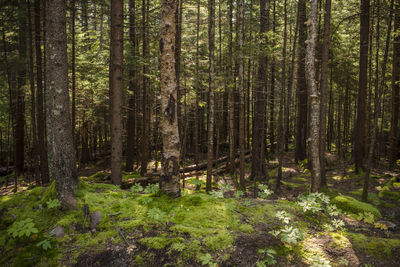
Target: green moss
392, 195
339, 241
160, 242
246, 228
130, 175
349, 204
372, 197
219, 241
300, 179
378, 247
396, 186
99, 176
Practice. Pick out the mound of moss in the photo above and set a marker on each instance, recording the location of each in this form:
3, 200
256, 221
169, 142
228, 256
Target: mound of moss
377, 247
352, 205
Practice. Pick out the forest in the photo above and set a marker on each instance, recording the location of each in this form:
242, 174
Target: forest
199, 133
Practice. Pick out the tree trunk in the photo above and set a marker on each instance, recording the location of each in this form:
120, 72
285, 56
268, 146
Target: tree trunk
210, 128
231, 94
169, 180
73, 74
241, 95
44, 166
272, 94
302, 104
314, 99
324, 87
59, 131
116, 87
359, 134
130, 150
395, 89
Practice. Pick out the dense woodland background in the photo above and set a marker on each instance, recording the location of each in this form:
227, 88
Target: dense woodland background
243, 84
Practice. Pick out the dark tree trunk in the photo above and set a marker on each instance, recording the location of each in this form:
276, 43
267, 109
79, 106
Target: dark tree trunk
302, 101
116, 86
359, 130
59, 131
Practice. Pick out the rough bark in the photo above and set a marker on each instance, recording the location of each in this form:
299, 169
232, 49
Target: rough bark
210, 128
169, 180
359, 129
324, 87
116, 86
394, 125
258, 170
62, 161
302, 104
73, 73
314, 99
231, 102
130, 150
272, 91
242, 95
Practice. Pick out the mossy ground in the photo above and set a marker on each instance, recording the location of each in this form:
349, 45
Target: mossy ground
154, 230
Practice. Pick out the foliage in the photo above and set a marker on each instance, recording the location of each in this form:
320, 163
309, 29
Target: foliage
44, 244
367, 217
206, 259
352, 205
318, 261
269, 257
25, 227
136, 188
157, 214
152, 189
264, 191
53, 203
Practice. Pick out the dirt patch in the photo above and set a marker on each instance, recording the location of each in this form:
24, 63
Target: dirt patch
112, 256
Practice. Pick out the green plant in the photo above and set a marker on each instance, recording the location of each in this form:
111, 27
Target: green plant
157, 214
239, 194
367, 217
136, 188
318, 261
283, 216
25, 227
197, 182
152, 189
44, 244
313, 203
226, 188
343, 262
217, 194
291, 235
265, 192
269, 257
53, 203
206, 259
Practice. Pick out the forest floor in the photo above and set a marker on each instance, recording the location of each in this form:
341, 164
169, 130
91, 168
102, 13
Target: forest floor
138, 226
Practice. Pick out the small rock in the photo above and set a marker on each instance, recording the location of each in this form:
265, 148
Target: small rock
389, 225
57, 232
95, 218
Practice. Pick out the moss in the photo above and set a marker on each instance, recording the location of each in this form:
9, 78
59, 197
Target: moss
350, 204
219, 241
99, 176
246, 228
130, 175
378, 247
396, 186
372, 197
300, 179
339, 241
392, 195
160, 242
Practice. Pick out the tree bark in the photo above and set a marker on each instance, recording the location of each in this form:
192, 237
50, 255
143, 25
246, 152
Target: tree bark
241, 95
116, 86
62, 156
302, 104
169, 180
359, 130
314, 99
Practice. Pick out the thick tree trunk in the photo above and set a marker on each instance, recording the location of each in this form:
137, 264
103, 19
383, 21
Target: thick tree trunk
359, 134
73, 73
44, 166
116, 86
130, 150
210, 128
59, 132
197, 140
394, 125
314, 99
324, 87
272, 91
258, 170
231, 94
169, 180
302, 104
242, 95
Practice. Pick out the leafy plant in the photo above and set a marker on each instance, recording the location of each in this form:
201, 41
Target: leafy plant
367, 217
136, 188
152, 189
44, 244
197, 182
318, 261
157, 214
264, 192
25, 227
217, 194
206, 259
283, 216
53, 203
226, 188
269, 255
291, 235
239, 194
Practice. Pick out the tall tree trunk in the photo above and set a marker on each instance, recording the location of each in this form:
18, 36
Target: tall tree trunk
258, 170
73, 74
241, 95
169, 180
116, 86
359, 134
59, 131
394, 149
324, 87
281, 126
130, 150
35, 147
19, 136
314, 99
272, 94
145, 101
178, 41
197, 140
377, 110
210, 128
231, 94
44, 166
302, 104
